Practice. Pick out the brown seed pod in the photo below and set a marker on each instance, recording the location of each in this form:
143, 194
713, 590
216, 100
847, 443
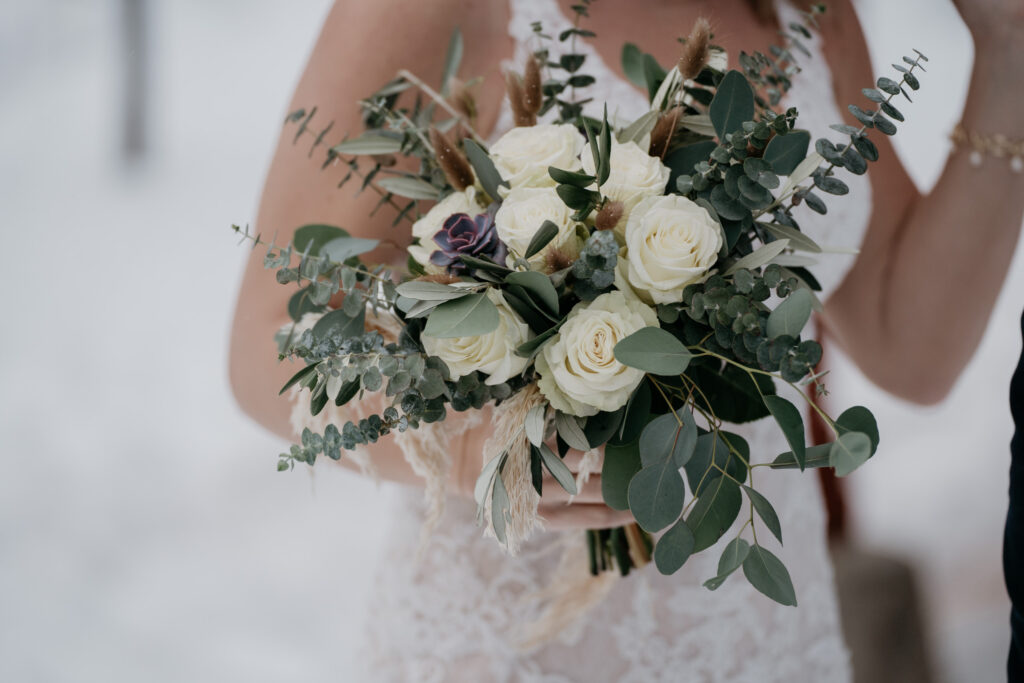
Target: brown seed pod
609, 216
455, 166
462, 99
664, 129
695, 51
532, 96
439, 278
516, 99
555, 260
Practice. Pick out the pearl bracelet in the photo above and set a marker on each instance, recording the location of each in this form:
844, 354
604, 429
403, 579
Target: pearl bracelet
996, 145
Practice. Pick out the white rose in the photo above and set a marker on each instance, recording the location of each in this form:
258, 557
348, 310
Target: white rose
521, 215
578, 371
634, 176
492, 354
432, 222
522, 155
671, 242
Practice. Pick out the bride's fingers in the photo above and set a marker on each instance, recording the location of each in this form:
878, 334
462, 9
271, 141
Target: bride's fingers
583, 516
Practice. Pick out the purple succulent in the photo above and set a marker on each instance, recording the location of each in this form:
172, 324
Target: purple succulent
462, 234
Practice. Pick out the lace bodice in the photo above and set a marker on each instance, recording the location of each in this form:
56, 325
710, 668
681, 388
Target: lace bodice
455, 615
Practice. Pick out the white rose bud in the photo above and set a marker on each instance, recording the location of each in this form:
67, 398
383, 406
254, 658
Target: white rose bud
578, 371
523, 212
634, 175
522, 155
432, 222
671, 242
492, 354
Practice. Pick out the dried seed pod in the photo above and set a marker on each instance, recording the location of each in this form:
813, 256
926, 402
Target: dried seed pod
455, 166
439, 278
532, 96
555, 260
664, 129
462, 99
516, 99
609, 216
695, 51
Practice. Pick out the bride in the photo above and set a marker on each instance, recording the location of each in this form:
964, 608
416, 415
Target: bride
909, 310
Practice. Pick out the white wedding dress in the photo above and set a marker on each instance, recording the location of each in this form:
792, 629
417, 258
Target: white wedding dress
453, 615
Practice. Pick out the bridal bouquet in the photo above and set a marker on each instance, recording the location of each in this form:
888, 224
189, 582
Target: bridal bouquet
625, 287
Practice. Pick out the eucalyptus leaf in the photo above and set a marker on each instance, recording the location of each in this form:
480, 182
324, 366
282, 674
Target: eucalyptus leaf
341, 324
732, 558
732, 105
791, 315
653, 350
665, 437
792, 425
766, 573
341, 249
765, 511
714, 512
816, 456
674, 548
470, 316
785, 152
621, 463
850, 451
314, 236
656, 495
859, 419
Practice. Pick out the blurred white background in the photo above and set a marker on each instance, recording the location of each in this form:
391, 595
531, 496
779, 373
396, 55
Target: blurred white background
144, 533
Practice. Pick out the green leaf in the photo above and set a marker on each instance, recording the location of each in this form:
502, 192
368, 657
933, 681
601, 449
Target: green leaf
791, 315
451, 60
370, 143
732, 393
571, 432
340, 249
539, 285
604, 143
788, 417
638, 412
656, 495
314, 236
547, 232
633, 65
558, 469
765, 511
681, 161
302, 303
422, 290
534, 424
733, 104
635, 131
484, 168
664, 438
654, 74
470, 316
797, 239
674, 548
785, 152
850, 451
301, 375
483, 482
408, 186
759, 256
732, 558
340, 323
573, 178
485, 265
714, 512
817, 456
859, 419
531, 348
621, 463
576, 197
499, 508
653, 350
766, 573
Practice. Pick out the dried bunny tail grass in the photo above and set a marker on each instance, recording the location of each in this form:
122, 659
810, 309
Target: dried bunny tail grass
532, 96
516, 99
573, 592
609, 216
664, 129
509, 435
439, 278
555, 260
455, 166
695, 51
462, 99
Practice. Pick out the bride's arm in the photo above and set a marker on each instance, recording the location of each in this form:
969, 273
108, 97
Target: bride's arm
363, 45
913, 309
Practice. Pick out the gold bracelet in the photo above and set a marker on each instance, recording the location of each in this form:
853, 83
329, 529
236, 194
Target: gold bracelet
996, 145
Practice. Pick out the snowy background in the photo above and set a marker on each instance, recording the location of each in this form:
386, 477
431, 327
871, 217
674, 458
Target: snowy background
144, 534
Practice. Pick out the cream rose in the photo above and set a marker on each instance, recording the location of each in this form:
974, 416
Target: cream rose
522, 155
671, 242
432, 221
634, 176
578, 371
521, 215
492, 354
